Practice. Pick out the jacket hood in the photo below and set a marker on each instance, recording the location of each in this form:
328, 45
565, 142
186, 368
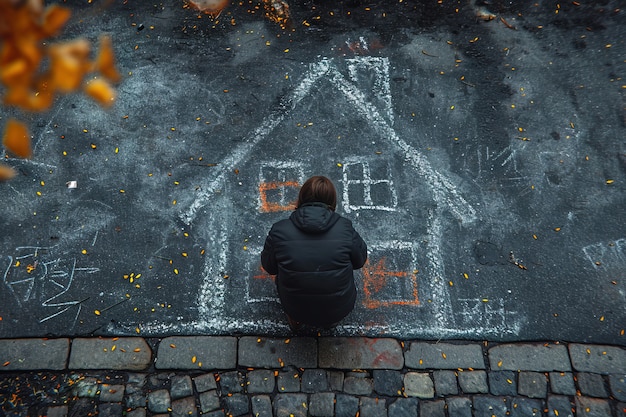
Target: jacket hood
314, 218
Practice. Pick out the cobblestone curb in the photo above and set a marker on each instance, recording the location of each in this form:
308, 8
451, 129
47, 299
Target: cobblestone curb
306, 376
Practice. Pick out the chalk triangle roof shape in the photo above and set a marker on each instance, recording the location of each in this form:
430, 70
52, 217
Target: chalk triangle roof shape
378, 115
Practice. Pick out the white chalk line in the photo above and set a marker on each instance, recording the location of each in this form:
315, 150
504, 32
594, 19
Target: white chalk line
441, 297
381, 82
212, 293
367, 183
229, 325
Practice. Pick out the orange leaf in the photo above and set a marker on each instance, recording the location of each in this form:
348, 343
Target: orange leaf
105, 63
6, 173
29, 47
69, 62
54, 19
12, 72
101, 91
16, 139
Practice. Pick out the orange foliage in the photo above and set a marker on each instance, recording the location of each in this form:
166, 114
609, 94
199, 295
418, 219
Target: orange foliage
101, 91
211, 7
25, 26
6, 172
105, 63
16, 139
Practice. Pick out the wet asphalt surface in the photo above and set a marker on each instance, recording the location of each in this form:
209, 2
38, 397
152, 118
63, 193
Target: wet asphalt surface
483, 162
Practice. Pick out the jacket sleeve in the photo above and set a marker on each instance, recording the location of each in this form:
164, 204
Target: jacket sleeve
268, 259
358, 256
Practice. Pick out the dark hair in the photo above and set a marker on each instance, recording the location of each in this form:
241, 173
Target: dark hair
318, 189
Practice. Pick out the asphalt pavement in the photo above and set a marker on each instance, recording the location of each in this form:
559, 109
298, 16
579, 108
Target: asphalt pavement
477, 148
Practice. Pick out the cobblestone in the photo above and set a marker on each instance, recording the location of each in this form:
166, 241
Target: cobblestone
109, 409
360, 353
445, 383
123, 353
562, 383
258, 352
372, 407
503, 383
261, 382
529, 357
231, 382
403, 407
559, 405
39, 354
181, 386
423, 355
209, 401
159, 401
112, 393
288, 381
357, 385
433, 408
335, 379
185, 407
346, 405
598, 359
473, 382
591, 385
592, 407
526, 407
197, 352
205, 382
459, 406
237, 405
486, 405
417, 384
387, 382
322, 404
618, 386
261, 406
377, 388
290, 405
532, 384
314, 380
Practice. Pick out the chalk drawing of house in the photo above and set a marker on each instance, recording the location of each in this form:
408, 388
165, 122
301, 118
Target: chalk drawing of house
399, 203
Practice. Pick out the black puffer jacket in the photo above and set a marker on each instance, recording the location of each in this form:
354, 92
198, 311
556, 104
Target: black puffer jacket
313, 254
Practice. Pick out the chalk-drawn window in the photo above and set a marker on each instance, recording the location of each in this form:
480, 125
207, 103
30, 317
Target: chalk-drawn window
389, 276
368, 186
279, 184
